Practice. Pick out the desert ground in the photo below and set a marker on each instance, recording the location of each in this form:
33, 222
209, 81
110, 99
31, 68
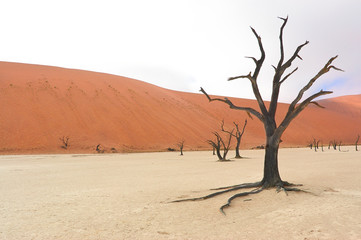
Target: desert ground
127, 196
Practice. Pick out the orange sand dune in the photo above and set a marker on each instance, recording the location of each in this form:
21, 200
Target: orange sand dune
40, 104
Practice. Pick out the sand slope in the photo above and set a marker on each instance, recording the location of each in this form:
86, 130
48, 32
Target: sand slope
40, 104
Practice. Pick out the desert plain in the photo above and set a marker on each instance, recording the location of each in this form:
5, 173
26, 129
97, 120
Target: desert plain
128, 196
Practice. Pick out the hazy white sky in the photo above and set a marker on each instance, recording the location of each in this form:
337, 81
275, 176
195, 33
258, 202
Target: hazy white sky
186, 44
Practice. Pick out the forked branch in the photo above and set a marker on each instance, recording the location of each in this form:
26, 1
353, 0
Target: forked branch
232, 106
324, 70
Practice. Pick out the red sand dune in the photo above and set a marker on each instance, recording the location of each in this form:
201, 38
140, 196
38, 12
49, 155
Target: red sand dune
40, 104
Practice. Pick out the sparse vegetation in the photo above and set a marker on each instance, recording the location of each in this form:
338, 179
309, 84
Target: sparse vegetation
65, 142
238, 135
99, 148
180, 144
219, 144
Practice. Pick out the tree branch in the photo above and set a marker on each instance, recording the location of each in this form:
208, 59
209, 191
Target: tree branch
281, 42
249, 76
279, 72
232, 106
244, 127
223, 130
324, 70
284, 79
291, 115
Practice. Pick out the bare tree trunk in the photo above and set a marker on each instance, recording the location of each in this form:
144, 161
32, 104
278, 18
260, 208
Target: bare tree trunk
181, 145
238, 136
219, 155
237, 148
271, 176
315, 145
358, 138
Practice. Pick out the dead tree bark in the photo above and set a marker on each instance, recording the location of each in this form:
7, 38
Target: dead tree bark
274, 131
238, 135
358, 138
181, 145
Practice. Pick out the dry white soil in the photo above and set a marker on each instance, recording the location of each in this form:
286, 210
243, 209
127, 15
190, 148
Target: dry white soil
126, 196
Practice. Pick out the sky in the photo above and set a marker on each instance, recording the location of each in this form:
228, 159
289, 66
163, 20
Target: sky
187, 44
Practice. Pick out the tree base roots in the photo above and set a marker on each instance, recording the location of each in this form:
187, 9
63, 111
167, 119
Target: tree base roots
258, 187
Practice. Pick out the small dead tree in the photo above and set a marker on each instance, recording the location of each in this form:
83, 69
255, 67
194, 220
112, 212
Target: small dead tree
358, 138
315, 144
267, 115
238, 135
339, 146
310, 144
99, 149
65, 141
333, 143
219, 144
181, 145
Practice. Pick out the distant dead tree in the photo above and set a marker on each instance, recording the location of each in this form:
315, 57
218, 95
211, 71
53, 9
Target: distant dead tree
315, 144
310, 144
333, 143
267, 114
339, 146
238, 135
65, 142
218, 144
180, 144
99, 148
358, 138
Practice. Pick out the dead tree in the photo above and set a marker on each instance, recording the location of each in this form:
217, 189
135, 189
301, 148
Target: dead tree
181, 145
358, 138
99, 149
65, 142
219, 144
339, 146
334, 144
273, 130
315, 144
238, 135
